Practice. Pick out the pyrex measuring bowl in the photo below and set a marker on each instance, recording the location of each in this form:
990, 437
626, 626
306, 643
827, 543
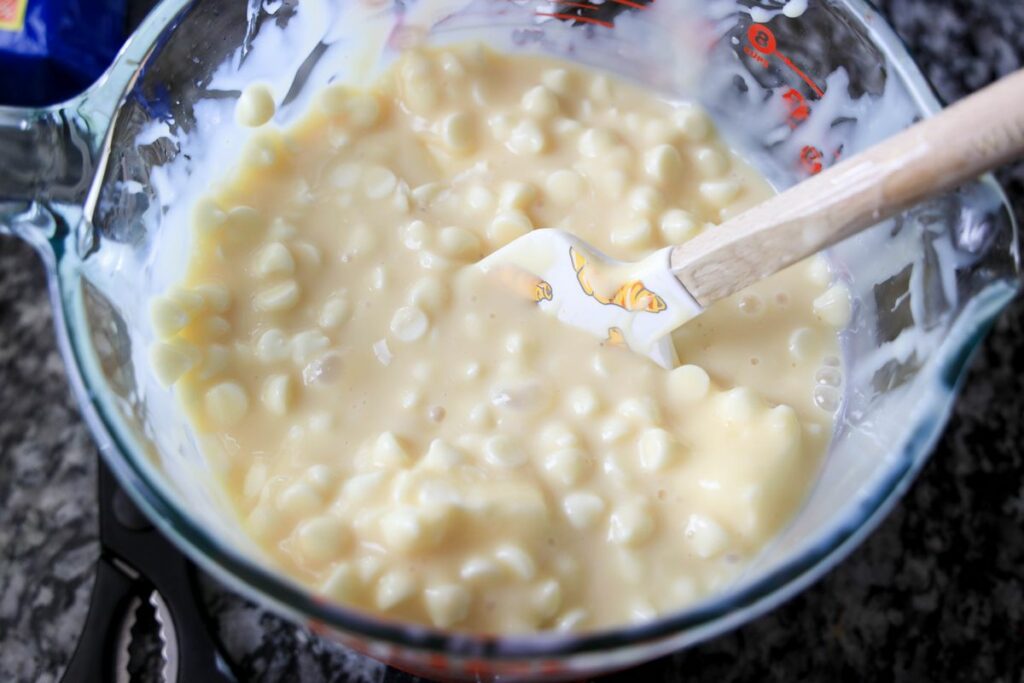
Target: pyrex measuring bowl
101, 185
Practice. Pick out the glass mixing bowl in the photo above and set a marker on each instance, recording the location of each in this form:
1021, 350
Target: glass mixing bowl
101, 185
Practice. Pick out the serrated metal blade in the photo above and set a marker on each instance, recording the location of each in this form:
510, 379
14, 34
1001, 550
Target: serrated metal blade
168, 637
124, 640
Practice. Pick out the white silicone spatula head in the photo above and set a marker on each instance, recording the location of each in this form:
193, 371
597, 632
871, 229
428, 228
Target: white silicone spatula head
639, 304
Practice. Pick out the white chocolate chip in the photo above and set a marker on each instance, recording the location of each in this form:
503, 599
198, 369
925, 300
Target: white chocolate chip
614, 428
630, 524
382, 352
280, 229
335, 312
362, 486
394, 588
710, 162
425, 195
500, 125
379, 182
322, 477
307, 345
402, 529
272, 346
833, 306
517, 196
277, 394
299, 500
693, 123
255, 106
279, 297
640, 409
273, 259
657, 449
677, 226
459, 244
341, 583
168, 317
429, 293
663, 164
389, 453
597, 142
409, 323
583, 509
706, 537
504, 451
479, 199
540, 103
635, 234
546, 599
479, 569
565, 187
688, 384
719, 193
565, 467
347, 175
642, 612
739, 405
441, 455
255, 480
601, 89
517, 560
527, 138
507, 226
556, 80
646, 201
582, 401
458, 131
322, 539
213, 327
818, 271
215, 361
226, 403
216, 298
447, 604
368, 568
572, 620
172, 359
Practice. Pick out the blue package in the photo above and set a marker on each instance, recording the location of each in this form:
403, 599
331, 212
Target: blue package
53, 49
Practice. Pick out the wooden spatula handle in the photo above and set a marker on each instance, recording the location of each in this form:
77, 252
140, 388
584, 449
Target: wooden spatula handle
960, 143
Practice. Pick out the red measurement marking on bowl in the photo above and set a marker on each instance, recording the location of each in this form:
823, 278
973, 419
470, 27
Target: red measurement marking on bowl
799, 110
750, 52
763, 40
810, 159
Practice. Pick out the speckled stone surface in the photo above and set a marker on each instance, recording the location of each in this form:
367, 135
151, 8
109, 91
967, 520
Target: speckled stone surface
936, 593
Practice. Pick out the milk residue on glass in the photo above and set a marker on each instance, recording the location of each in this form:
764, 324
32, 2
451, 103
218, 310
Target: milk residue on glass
401, 436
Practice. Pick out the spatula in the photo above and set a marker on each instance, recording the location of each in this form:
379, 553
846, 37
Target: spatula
639, 304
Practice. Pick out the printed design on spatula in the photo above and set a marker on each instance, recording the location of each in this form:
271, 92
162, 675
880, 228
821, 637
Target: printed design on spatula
615, 337
631, 296
525, 283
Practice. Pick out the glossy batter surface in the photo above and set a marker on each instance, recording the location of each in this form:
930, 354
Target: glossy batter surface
405, 437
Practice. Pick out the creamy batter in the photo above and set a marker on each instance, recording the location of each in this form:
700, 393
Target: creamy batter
403, 436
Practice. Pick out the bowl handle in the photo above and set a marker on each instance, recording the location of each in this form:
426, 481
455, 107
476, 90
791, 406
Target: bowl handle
46, 160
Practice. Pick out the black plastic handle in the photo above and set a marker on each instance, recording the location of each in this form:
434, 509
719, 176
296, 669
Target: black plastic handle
128, 538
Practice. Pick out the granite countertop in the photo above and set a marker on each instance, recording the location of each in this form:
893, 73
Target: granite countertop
936, 593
